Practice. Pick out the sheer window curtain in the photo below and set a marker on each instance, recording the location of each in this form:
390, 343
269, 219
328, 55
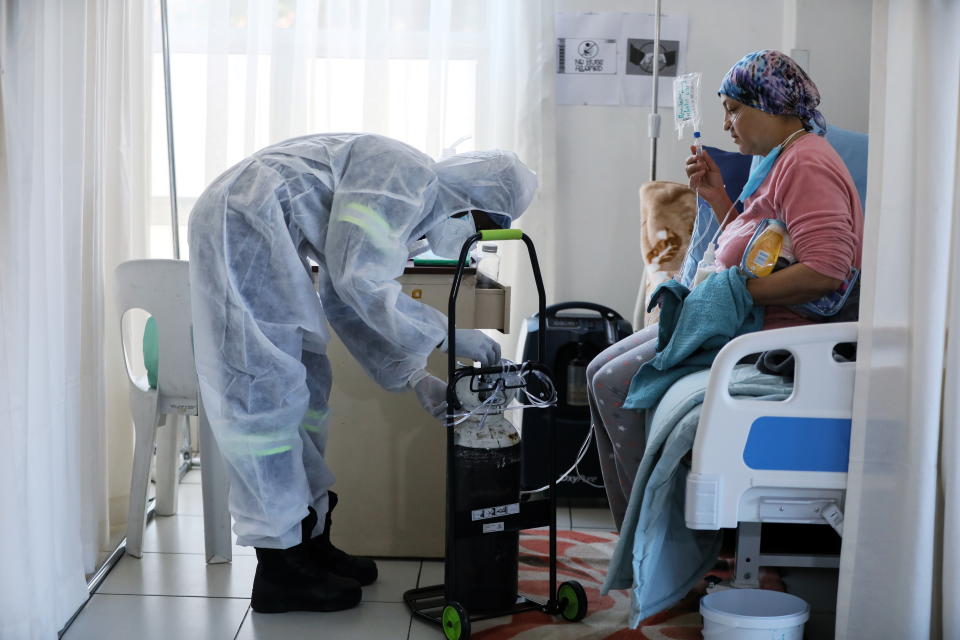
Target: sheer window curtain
517, 94
900, 565
72, 141
247, 73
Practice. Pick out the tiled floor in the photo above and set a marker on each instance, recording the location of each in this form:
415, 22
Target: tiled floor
171, 593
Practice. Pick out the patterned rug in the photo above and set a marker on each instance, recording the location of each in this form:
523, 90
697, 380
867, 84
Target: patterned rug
585, 556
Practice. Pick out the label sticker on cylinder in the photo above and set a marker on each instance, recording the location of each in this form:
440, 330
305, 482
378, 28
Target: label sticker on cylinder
492, 527
495, 512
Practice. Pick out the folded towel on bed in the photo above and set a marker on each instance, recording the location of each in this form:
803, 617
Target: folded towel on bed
694, 326
656, 555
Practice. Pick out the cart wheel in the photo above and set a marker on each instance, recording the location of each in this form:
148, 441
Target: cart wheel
572, 600
455, 621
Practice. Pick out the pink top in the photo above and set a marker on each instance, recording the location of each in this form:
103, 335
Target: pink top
810, 189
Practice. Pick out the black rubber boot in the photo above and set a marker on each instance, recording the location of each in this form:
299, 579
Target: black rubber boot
292, 580
339, 562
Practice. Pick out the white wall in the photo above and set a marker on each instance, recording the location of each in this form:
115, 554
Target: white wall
837, 34
603, 152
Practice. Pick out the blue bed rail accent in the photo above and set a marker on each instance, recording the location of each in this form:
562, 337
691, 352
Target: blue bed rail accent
798, 444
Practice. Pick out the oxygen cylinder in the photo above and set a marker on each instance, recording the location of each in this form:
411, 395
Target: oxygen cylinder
487, 475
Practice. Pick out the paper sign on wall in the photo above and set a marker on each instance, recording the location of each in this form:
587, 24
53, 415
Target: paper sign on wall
608, 58
586, 55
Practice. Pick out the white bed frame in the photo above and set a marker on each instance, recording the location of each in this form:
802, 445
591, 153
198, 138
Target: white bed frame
724, 492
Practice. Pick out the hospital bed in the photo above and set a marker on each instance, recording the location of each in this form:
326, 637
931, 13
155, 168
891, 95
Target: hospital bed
759, 461
731, 448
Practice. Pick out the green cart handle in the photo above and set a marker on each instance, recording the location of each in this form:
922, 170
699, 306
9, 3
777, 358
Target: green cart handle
501, 234
488, 234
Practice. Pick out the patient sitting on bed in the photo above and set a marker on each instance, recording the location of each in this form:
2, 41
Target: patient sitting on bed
769, 107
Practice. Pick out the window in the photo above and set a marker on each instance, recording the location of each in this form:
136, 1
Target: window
262, 72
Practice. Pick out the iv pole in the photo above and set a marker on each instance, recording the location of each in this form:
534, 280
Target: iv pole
181, 422
653, 120
653, 130
174, 222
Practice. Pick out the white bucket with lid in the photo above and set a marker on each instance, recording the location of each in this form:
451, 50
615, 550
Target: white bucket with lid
753, 614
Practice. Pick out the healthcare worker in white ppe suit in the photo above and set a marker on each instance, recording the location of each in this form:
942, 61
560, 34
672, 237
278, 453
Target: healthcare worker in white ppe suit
357, 205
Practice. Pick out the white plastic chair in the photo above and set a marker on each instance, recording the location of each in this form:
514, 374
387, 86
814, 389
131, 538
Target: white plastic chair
162, 289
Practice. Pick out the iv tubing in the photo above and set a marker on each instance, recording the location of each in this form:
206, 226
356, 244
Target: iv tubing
713, 241
580, 455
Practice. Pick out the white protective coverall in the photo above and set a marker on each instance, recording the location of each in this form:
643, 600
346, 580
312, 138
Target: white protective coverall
354, 204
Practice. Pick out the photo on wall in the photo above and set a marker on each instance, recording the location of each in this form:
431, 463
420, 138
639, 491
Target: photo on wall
640, 58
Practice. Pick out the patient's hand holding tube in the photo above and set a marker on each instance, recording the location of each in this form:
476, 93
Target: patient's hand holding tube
758, 173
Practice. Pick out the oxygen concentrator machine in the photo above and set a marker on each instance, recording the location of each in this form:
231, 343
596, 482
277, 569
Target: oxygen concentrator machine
573, 338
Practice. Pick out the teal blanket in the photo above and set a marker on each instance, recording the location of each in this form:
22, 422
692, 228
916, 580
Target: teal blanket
694, 326
657, 556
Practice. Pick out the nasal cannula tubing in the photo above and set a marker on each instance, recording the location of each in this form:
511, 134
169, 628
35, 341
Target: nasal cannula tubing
712, 245
713, 240
741, 198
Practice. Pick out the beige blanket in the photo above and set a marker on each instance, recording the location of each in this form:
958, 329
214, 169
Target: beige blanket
667, 213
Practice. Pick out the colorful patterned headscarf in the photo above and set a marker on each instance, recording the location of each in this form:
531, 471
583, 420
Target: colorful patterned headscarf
772, 82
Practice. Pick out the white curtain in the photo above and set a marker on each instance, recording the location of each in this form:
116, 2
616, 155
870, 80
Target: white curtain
517, 112
72, 140
900, 565
247, 73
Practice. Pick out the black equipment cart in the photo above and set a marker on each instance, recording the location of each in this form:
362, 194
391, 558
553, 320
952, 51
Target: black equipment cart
466, 534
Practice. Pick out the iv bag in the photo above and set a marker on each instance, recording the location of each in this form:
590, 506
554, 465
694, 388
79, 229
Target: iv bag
686, 103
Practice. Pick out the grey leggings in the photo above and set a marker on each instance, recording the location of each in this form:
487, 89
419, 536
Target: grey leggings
620, 432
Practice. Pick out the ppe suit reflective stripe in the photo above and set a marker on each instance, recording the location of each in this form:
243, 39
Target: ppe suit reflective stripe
315, 421
372, 223
275, 450
256, 444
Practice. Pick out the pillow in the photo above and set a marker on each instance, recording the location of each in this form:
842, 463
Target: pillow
704, 227
735, 168
852, 149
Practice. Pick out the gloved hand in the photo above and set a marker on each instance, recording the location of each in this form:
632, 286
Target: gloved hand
431, 392
476, 345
